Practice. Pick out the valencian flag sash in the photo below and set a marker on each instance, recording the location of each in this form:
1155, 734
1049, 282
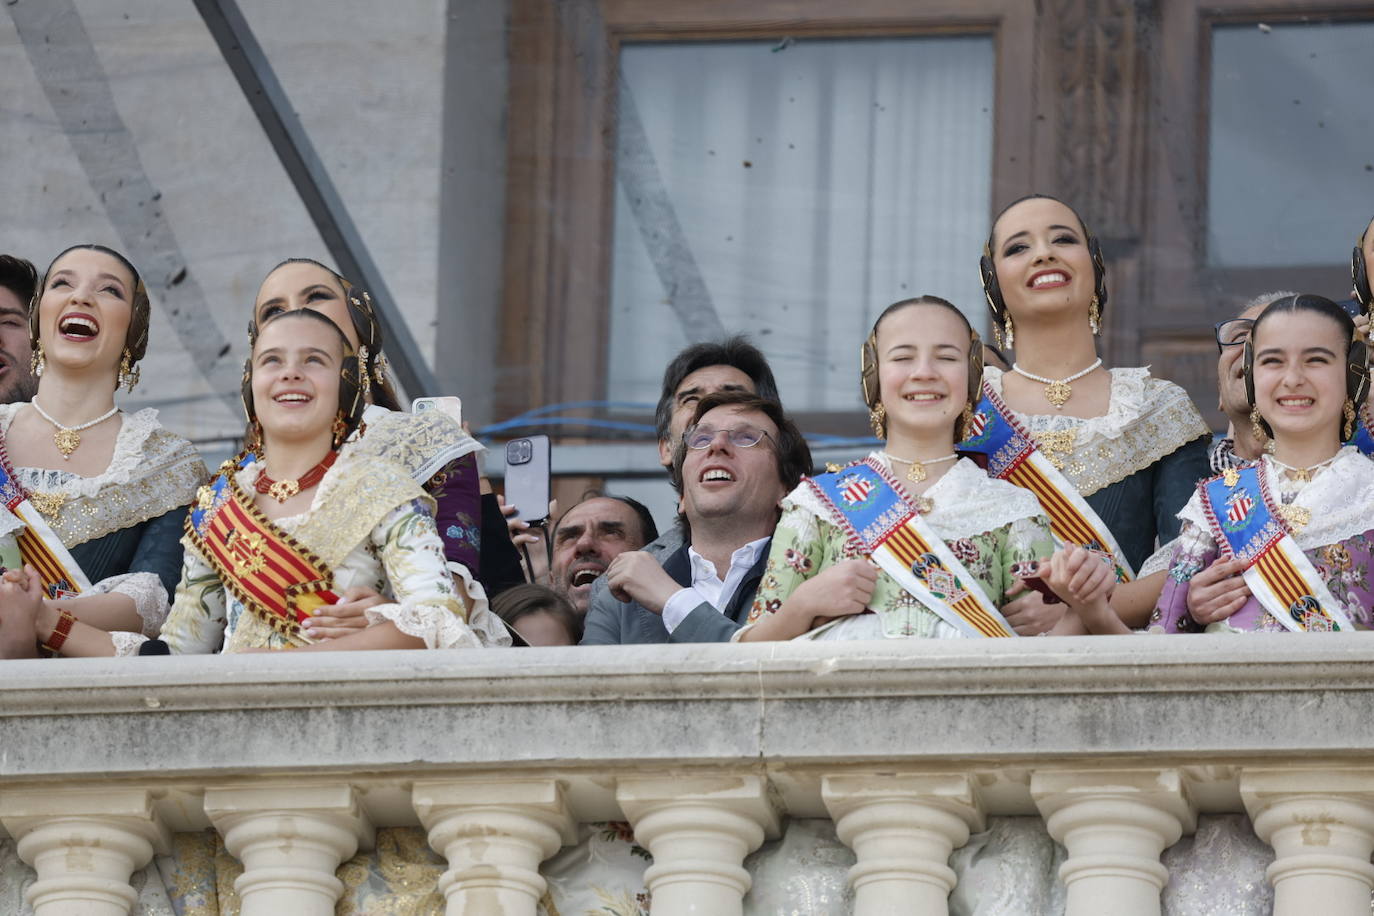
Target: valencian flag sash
261, 565
39, 545
1248, 525
880, 523
1013, 456
1363, 439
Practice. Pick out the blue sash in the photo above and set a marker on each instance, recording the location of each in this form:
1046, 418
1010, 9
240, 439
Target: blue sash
879, 522
1245, 522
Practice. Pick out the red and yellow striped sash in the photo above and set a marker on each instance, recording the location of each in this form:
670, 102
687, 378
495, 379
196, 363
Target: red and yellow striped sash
264, 567
909, 547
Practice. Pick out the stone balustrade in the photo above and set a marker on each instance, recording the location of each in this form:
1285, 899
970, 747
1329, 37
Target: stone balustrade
1118, 743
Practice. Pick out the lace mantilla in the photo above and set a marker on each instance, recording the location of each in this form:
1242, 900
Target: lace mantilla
967, 501
423, 443
151, 472
1146, 419
1339, 498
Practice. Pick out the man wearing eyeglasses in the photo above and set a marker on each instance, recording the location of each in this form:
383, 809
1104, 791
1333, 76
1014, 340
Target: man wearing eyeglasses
1240, 444
1219, 591
738, 457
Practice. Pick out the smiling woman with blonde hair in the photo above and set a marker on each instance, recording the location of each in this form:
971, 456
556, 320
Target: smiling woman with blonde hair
915, 540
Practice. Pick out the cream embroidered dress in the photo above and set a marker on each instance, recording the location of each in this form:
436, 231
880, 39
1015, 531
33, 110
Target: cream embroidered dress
398, 554
990, 525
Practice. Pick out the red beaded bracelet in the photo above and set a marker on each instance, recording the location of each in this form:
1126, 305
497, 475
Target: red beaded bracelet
60, 632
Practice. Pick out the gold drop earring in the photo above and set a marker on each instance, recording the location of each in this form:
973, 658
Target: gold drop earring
1255, 425
1348, 427
1095, 316
877, 418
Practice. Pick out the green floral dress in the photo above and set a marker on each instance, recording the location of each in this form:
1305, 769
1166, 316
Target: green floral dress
990, 525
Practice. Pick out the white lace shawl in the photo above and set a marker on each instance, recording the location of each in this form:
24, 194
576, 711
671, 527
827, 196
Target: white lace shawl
1339, 498
966, 501
1146, 419
151, 472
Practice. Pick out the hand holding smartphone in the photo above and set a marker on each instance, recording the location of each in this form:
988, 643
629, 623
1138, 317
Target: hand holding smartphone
527, 478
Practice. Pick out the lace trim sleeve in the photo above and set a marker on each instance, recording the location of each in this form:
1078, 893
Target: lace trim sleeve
439, 627
147, 593
127, 643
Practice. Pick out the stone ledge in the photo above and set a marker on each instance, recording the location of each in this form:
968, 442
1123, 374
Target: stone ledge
1157, 700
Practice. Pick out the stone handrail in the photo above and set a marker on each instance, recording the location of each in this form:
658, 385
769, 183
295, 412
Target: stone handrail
1118, 742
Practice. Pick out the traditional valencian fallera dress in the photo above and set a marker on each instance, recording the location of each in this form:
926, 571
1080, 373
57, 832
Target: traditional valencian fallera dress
122, 526
988, 525
1134, 466
1257, 511
369, 524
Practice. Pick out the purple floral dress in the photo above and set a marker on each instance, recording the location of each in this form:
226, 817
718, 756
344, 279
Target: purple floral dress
1337, 541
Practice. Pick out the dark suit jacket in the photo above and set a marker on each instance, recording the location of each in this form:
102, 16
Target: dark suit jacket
610, 622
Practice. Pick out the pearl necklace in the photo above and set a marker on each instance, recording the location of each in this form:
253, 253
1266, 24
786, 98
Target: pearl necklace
917, 472
1057, 390
68, 438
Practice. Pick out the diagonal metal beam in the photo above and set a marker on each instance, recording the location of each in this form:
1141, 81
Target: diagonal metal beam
292, 144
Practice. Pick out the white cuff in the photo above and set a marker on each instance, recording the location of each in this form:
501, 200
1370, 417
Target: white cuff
683, 602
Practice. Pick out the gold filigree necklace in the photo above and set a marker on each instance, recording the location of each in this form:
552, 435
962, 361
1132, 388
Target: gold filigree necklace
1057, 390
1304, 475
917, 471
68, 438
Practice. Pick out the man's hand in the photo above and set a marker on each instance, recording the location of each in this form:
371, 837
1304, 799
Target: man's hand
636, 576
1217, 592
1030, 613
520, 530
334, 620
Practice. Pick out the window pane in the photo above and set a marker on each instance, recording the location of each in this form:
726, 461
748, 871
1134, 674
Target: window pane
1290, 176
791, 192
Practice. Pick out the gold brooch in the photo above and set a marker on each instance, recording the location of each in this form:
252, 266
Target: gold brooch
1057, 445
1230, 477
1297, 517
48, 503
282, 490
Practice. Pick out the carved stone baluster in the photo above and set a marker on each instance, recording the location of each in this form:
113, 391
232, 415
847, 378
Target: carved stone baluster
1321, 825
494, 833
902, 828
84, 843
1115, 824
698, 828
291, 840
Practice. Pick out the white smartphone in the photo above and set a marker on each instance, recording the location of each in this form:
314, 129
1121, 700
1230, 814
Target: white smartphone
527, 477
449, 406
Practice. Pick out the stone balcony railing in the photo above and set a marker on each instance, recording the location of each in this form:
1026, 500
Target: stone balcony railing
1117, 742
